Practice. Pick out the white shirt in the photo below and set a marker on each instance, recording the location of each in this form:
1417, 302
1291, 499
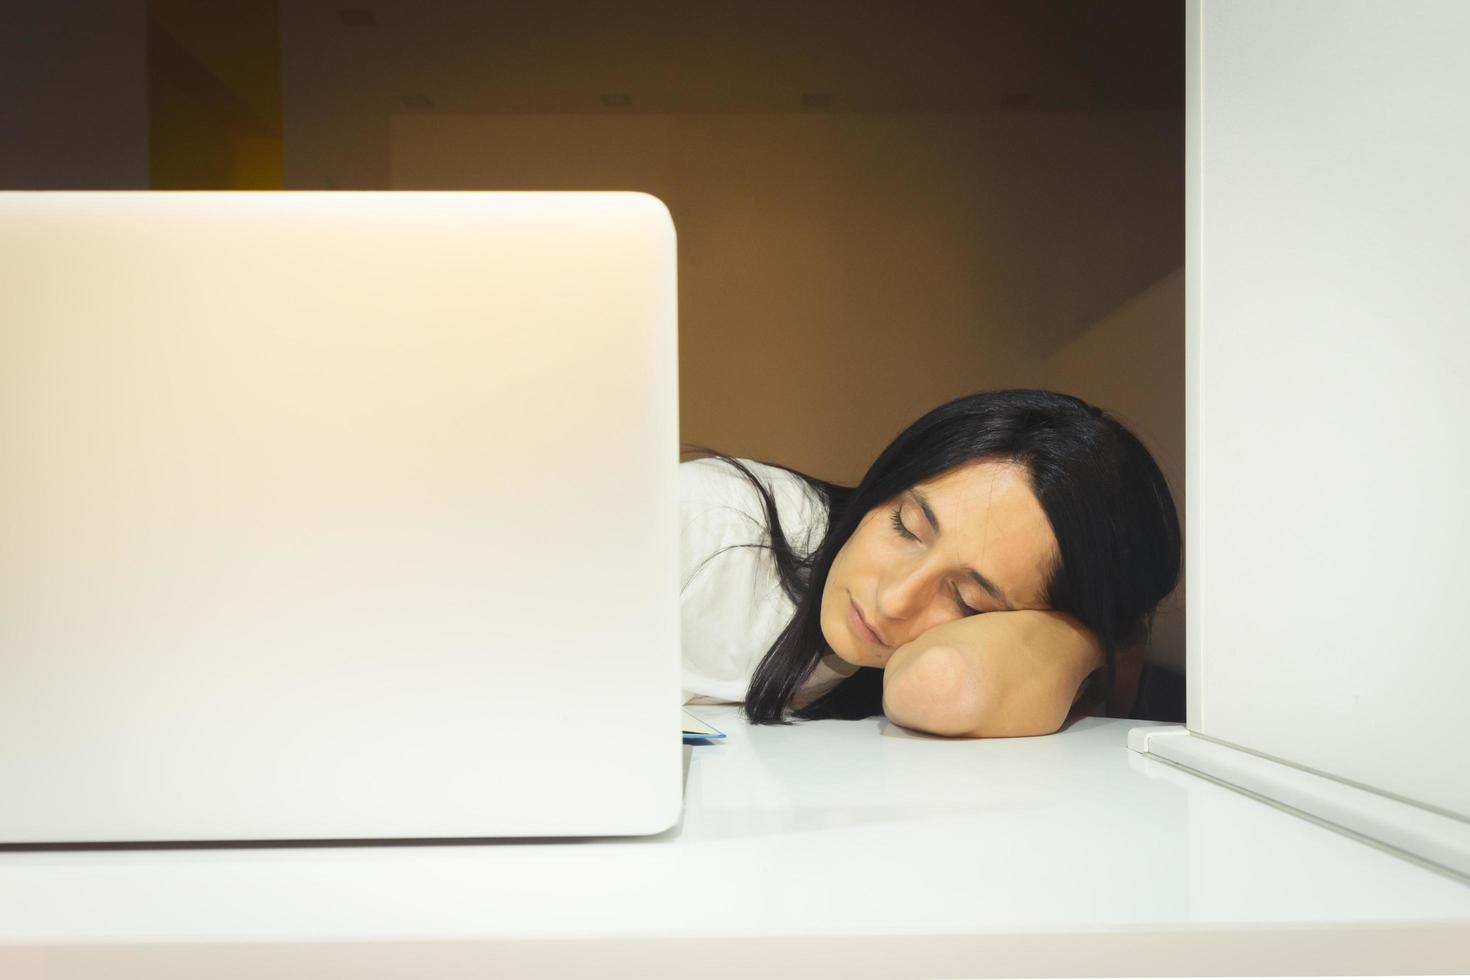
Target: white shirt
733, 607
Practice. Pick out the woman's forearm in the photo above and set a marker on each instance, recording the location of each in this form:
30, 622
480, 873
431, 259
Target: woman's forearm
1004, 673
924, 675
931, 688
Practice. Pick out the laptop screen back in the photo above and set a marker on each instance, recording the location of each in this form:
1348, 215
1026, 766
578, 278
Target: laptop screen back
337, 515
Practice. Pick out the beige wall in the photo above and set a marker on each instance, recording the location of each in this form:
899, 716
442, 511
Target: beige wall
842, 273
1131, 363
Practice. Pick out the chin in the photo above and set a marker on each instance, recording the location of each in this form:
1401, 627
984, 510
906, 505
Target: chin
827, 635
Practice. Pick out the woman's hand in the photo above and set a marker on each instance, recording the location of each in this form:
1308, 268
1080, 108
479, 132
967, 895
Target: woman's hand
1006, 673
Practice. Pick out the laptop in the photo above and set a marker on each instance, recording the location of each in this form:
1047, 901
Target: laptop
337, 516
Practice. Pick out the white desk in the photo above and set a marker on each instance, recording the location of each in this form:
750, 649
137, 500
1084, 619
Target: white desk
828, 848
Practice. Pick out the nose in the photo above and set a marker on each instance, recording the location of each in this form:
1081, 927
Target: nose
904, 598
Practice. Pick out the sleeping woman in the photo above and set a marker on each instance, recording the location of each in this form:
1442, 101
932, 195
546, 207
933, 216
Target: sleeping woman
994, 573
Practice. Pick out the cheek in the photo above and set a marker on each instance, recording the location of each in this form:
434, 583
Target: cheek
850, 565
833, 590
852, 561
866, 557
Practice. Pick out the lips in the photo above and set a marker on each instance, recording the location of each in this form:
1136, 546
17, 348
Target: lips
858, 614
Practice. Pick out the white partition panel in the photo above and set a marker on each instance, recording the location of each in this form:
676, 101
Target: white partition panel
1328, 285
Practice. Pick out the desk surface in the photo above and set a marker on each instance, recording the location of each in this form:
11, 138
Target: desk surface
850, 835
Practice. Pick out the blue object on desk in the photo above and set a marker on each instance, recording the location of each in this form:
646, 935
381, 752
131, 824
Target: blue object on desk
696, 730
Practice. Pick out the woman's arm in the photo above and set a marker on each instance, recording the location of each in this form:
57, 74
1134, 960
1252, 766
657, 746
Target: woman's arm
999, 674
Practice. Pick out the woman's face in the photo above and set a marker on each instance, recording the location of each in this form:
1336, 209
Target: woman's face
988, 521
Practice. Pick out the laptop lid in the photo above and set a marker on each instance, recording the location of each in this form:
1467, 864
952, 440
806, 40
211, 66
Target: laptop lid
337, 516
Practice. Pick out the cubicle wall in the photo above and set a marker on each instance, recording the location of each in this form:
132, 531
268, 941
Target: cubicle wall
1328, 367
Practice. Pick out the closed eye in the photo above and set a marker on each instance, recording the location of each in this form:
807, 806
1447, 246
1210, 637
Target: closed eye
905, 532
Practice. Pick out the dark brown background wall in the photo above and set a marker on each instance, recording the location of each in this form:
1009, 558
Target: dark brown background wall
880, 206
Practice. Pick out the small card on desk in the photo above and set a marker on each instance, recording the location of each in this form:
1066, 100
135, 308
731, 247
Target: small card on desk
694, 729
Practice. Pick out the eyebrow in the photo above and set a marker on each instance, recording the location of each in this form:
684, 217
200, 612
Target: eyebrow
996, 592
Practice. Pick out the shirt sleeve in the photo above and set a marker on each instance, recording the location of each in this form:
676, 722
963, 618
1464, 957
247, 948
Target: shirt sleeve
731, 602
718, 582
714, 510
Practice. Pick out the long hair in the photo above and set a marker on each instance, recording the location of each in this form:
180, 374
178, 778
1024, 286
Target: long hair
1117, 530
